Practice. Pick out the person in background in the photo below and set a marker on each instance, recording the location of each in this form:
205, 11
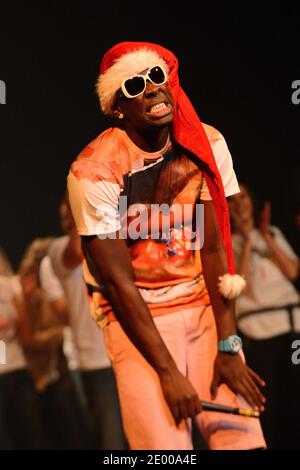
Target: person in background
55, 294
268, 313
20, 426
294, 233
94, 365
5, 265
42, 340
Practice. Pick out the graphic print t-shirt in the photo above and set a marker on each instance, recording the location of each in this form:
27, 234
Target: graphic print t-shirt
116, 187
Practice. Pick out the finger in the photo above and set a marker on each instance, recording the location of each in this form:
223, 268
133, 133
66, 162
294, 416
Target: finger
175, 413
194, 405
253, 400
244, 391
187, 409
178, 421
183, 410
243, 388
256, 377
257, 398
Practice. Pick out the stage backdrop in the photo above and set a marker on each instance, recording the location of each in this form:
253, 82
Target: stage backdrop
240, 71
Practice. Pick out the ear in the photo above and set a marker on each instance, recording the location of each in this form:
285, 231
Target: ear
118, 113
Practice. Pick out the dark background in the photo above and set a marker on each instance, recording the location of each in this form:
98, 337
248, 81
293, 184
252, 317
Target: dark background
237, 68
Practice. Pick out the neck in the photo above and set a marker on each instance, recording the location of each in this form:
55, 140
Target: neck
148, 141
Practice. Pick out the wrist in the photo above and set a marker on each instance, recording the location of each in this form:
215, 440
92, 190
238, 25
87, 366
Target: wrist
166, 368
231, 345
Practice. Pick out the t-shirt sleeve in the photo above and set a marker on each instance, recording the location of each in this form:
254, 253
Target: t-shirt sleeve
225, 166
94, 205
56, 252
49, 281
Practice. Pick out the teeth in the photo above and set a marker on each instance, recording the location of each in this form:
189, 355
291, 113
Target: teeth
157, 107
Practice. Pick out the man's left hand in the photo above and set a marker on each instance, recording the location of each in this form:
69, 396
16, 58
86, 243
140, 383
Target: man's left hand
231, 370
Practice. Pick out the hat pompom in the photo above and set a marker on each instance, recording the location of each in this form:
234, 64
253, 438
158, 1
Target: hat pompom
231, 285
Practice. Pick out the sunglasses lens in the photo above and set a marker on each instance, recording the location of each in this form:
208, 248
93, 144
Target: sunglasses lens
156, 75
134, 86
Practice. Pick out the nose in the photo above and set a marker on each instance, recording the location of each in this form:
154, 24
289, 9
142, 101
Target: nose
151, 89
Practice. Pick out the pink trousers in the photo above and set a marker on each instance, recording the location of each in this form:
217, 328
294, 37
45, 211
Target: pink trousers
190, 335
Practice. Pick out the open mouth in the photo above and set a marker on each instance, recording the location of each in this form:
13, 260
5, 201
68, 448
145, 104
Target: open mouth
160, 109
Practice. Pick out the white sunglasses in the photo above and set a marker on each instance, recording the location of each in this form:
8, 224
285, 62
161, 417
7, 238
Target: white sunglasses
136, 84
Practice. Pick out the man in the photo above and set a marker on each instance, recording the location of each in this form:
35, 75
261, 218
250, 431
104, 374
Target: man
144, 270
95, 367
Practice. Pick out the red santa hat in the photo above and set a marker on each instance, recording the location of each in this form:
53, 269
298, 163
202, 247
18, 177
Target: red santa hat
129, 58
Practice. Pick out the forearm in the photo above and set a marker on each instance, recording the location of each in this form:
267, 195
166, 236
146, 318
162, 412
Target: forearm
288, 266
214, 265
136, 320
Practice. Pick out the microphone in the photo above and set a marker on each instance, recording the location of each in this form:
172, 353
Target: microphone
208, 406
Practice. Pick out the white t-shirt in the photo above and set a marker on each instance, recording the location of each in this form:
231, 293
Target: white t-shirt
10, 346
54, 290
88, 337
269, 288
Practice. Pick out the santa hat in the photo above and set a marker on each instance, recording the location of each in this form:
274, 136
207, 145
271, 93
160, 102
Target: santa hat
130, 58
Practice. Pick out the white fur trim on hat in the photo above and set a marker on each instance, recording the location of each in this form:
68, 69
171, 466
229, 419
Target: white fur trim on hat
231, 285
127, 65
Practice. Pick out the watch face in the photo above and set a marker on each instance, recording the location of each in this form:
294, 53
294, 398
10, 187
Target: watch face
236, 345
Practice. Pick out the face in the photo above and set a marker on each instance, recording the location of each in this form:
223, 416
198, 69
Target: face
241, 203
151, 109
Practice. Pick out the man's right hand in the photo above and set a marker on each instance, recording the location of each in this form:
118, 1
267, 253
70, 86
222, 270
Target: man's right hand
180, 395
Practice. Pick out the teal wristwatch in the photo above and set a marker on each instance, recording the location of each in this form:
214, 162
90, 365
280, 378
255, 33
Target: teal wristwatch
232, 345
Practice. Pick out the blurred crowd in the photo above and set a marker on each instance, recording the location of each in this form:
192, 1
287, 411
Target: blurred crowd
268, 311
57, 389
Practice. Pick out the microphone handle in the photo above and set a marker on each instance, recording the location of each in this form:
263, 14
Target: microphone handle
208, 406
